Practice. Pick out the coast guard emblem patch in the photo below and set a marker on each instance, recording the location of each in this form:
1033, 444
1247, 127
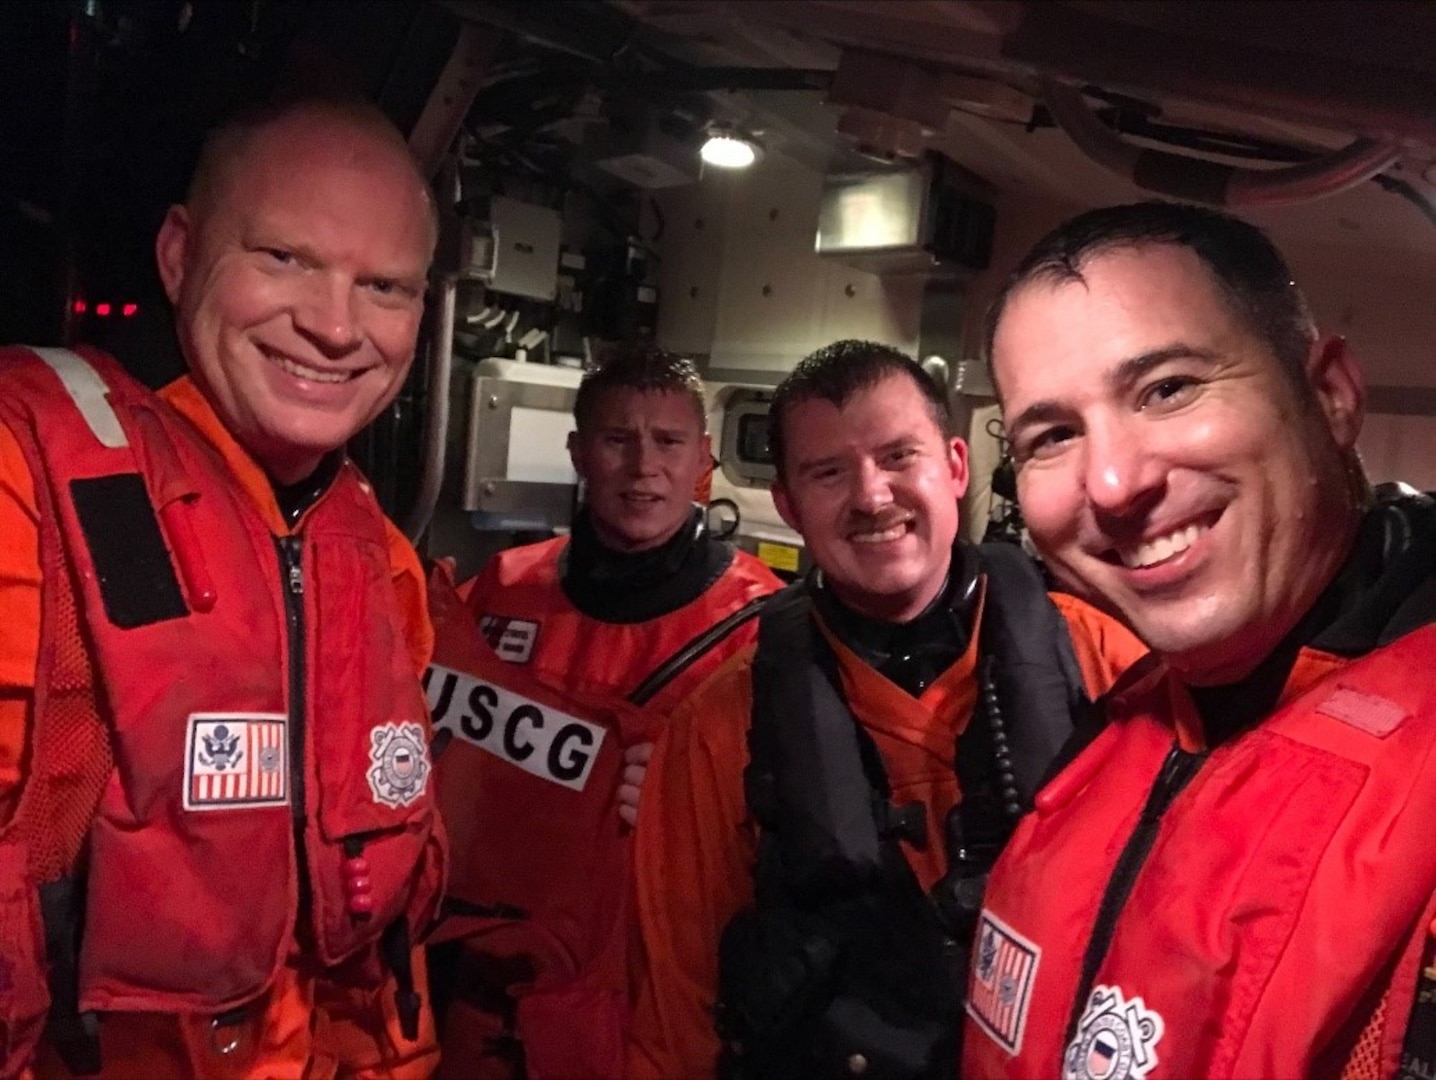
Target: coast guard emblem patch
399, 763
1116, 1039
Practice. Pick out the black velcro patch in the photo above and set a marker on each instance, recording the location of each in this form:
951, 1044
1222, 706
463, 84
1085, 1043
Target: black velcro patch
137, 580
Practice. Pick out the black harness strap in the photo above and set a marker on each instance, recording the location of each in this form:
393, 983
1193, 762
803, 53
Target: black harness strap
690, 653
808, 767
844, 953
394, 944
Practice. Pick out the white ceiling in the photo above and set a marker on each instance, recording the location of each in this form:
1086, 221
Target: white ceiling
966, 35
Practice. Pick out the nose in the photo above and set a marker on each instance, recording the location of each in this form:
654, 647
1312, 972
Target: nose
324, 313
1123, 473
643, 457
872, 488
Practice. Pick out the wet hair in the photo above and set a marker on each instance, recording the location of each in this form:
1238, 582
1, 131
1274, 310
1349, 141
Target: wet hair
639, 366
225, 145
1247, 267
837, 372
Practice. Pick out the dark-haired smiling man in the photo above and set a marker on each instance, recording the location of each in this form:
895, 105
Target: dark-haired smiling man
819, 815
1232, 876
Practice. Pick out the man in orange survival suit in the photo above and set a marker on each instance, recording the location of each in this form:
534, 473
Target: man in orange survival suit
200, 583
1233, 876
540, 676
816, 779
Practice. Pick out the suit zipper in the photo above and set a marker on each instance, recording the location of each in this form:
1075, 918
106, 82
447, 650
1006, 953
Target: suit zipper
1176, 772
292, 586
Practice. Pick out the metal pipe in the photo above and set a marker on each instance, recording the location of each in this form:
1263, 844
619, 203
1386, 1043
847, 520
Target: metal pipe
1329, 174
436, 411
1209, 181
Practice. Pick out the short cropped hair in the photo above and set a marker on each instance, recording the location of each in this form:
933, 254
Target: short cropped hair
639, 367
225, 145
1247, 267
836, 372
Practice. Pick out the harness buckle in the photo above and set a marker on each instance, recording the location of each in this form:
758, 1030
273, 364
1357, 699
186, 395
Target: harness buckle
907, 822
227, 1031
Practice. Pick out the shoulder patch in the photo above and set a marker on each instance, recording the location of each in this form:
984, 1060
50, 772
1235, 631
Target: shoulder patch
398, 764
1116, 1039
236, 760
1374, 715
513, 639
1003, 971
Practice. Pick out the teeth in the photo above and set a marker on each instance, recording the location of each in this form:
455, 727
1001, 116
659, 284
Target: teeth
895, 533
1162, 548
299, 371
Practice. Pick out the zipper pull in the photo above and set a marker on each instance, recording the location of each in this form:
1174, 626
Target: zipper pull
293, 565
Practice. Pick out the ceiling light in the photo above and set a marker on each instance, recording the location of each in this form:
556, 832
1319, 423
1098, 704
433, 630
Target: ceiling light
727, 150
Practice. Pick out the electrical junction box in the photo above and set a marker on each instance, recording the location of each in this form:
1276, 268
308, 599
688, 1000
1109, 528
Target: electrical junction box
516, 251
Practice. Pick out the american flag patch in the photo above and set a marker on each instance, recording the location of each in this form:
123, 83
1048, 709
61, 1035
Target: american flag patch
1004, 967
236, 760
513, 639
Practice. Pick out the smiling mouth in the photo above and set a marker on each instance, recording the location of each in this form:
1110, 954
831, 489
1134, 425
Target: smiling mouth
1161, 548
303, 371
887, 534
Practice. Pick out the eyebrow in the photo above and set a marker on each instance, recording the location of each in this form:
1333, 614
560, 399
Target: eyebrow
878, 451
411, 278
1120, 378
634, 429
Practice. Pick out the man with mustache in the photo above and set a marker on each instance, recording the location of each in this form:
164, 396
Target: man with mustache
554, 673
220, 844
1233, 874
802, 808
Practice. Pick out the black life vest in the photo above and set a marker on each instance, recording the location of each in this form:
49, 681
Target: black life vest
844, 965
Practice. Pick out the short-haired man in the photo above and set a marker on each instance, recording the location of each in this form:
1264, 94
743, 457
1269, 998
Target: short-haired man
803, 806
213, 739
1233, 875
564, 663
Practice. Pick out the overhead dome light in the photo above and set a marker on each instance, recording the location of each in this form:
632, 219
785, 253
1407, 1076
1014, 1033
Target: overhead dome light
726, 150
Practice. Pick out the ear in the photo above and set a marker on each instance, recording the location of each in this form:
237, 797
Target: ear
957, 465
786, 510
1340, 390
575, 453
172, 250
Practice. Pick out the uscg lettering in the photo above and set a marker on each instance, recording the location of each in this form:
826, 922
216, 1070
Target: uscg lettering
536, 738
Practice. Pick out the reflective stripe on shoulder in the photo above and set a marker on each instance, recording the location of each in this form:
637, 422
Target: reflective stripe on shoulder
88, 391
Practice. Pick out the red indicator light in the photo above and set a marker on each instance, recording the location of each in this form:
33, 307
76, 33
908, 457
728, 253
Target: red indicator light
102, 310
129, 310
79, 307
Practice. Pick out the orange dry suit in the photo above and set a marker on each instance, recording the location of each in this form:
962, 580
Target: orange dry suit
269, 808
885, 759
565, 655
1237, 881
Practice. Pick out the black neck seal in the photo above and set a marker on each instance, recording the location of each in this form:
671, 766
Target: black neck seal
632, 587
